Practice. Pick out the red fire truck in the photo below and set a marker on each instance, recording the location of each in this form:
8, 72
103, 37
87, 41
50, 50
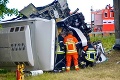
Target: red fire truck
103, 20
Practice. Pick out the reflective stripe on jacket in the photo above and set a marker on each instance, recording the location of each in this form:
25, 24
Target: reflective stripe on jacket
70, 41
59, 51
91, 56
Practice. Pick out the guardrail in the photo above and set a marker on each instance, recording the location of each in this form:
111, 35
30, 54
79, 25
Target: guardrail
106, 33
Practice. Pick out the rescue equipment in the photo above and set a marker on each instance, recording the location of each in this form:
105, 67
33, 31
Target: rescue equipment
20, 72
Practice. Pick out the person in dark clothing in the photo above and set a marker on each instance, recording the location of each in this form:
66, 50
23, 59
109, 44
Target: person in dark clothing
60, 53
88, 55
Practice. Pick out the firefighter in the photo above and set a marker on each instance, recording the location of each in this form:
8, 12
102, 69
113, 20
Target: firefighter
89, 54
71, 51
60, 52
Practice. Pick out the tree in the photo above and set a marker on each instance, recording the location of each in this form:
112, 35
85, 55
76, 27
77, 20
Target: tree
4, 10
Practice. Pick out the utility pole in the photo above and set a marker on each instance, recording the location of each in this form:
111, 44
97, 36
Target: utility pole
91, 18
116, 4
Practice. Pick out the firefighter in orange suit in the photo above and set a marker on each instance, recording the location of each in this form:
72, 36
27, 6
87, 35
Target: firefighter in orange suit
71, 51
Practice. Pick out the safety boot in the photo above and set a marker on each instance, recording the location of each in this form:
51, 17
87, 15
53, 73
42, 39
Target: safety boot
77, 68
67, 69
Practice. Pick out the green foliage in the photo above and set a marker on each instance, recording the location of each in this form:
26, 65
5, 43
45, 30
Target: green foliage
4, 10
107, 41
0, 26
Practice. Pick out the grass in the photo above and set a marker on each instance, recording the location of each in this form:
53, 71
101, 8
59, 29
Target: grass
108, 70
8, 76
107, 40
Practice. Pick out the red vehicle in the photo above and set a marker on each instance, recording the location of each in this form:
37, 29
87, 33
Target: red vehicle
103, 20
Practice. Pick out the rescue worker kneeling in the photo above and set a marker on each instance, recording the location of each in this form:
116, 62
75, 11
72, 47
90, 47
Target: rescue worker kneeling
71, 51
88, 55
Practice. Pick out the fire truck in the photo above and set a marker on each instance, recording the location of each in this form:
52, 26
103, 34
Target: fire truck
103, 20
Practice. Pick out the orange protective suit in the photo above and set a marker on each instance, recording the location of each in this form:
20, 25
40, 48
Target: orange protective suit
71, 53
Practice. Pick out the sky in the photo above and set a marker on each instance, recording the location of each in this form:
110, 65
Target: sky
83, 5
